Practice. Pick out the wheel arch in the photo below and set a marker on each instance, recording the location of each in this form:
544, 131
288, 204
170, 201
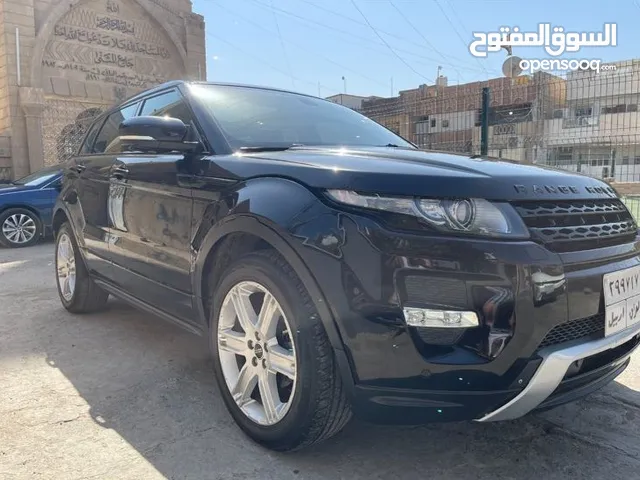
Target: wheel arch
23, 206
59, 217
259, 233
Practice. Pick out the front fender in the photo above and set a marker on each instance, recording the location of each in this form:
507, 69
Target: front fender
251, 209
69, 204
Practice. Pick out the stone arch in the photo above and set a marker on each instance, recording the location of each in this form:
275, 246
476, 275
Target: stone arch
57, 11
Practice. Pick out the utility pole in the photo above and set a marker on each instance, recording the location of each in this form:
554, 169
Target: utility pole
392, 86
484, 123
344, 80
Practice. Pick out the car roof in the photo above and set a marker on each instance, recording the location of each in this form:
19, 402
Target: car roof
176, 83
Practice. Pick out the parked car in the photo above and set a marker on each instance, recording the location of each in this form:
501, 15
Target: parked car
336, 268
26, 207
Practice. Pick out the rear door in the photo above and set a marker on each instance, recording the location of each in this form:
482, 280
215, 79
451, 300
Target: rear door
93, 168
89, 172
150, 207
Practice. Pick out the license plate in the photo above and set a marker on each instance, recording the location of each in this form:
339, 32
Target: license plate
621, 299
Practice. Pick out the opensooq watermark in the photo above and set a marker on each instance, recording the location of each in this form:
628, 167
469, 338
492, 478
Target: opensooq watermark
555, 42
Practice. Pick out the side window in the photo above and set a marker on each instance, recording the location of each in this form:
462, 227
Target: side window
87, 145
171, 104
110, 128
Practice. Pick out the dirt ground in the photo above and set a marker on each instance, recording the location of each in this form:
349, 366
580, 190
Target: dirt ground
124, 395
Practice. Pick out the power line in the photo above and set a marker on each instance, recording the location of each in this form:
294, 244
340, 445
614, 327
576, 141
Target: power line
268, 64
458, 34
364, 17
426, 40
344, 67
284, 50
358, 22
416, 30
455, 14
367, 41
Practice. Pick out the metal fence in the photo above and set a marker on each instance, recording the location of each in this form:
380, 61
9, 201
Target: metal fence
633, 204
585, 121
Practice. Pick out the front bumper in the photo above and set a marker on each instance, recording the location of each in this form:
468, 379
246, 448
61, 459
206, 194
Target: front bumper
554, 366
520, 290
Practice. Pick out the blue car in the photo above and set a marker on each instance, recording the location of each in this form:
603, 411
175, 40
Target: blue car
26, 206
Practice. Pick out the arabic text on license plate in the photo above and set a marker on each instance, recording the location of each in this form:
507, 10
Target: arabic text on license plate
622, 299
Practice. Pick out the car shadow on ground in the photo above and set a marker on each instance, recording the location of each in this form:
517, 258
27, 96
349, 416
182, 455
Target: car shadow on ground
152, 384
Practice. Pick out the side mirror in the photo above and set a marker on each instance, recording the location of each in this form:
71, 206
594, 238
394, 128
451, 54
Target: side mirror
153, 134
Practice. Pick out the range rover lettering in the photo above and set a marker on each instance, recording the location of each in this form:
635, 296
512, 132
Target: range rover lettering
335, 268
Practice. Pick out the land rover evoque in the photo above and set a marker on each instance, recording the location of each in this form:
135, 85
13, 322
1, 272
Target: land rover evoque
336, 268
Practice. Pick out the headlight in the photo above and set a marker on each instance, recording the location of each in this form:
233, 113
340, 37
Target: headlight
474, 216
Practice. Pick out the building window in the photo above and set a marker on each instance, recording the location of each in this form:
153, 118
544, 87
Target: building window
565, 154
614, 109
583, 111
632, 108
445, 123
422, 128
433, 123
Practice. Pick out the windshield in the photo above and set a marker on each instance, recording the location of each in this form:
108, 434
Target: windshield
38, 178
253, 118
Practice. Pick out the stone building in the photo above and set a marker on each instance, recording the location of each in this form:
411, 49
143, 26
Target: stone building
64, 62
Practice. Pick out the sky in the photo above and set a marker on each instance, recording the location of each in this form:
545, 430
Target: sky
383, 46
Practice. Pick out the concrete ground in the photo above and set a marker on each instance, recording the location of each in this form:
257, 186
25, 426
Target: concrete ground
123, 395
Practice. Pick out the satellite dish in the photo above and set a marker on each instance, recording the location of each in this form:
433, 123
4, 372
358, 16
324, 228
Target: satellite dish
511, 67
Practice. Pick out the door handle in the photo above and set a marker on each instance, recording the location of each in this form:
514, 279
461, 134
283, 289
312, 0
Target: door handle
119, 173
78, 169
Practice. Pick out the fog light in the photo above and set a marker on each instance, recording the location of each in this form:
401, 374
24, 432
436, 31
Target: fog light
425, 317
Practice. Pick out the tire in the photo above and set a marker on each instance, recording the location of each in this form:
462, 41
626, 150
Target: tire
80, 295
19, 228
317, 405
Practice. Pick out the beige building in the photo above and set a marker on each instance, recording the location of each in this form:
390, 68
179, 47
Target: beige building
447, 117
63, 62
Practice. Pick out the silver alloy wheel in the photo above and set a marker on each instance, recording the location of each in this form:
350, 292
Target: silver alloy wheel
66, 265
19, 228
257, 353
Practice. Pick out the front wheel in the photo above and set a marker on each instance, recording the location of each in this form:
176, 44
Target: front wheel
78, 292
273, 361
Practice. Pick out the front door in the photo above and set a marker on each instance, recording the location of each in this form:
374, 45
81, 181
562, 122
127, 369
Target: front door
150, 209
150, 214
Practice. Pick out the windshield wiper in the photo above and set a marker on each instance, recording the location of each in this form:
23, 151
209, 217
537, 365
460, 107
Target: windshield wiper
280, 148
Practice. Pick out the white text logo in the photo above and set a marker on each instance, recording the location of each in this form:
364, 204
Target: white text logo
554, 40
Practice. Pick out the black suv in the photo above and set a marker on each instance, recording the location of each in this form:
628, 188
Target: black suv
334, 267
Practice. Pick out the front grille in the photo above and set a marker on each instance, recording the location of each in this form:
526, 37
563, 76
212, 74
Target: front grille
440, 336
575, 329
568, 226
433, 291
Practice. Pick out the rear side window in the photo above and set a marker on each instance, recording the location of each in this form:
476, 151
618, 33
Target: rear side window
87, 145
171, 104
109, 131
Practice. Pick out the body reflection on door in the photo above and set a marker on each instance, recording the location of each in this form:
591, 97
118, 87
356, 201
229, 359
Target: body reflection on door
150, 226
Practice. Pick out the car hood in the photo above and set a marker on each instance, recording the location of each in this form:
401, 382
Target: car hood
395, 171
4, 189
